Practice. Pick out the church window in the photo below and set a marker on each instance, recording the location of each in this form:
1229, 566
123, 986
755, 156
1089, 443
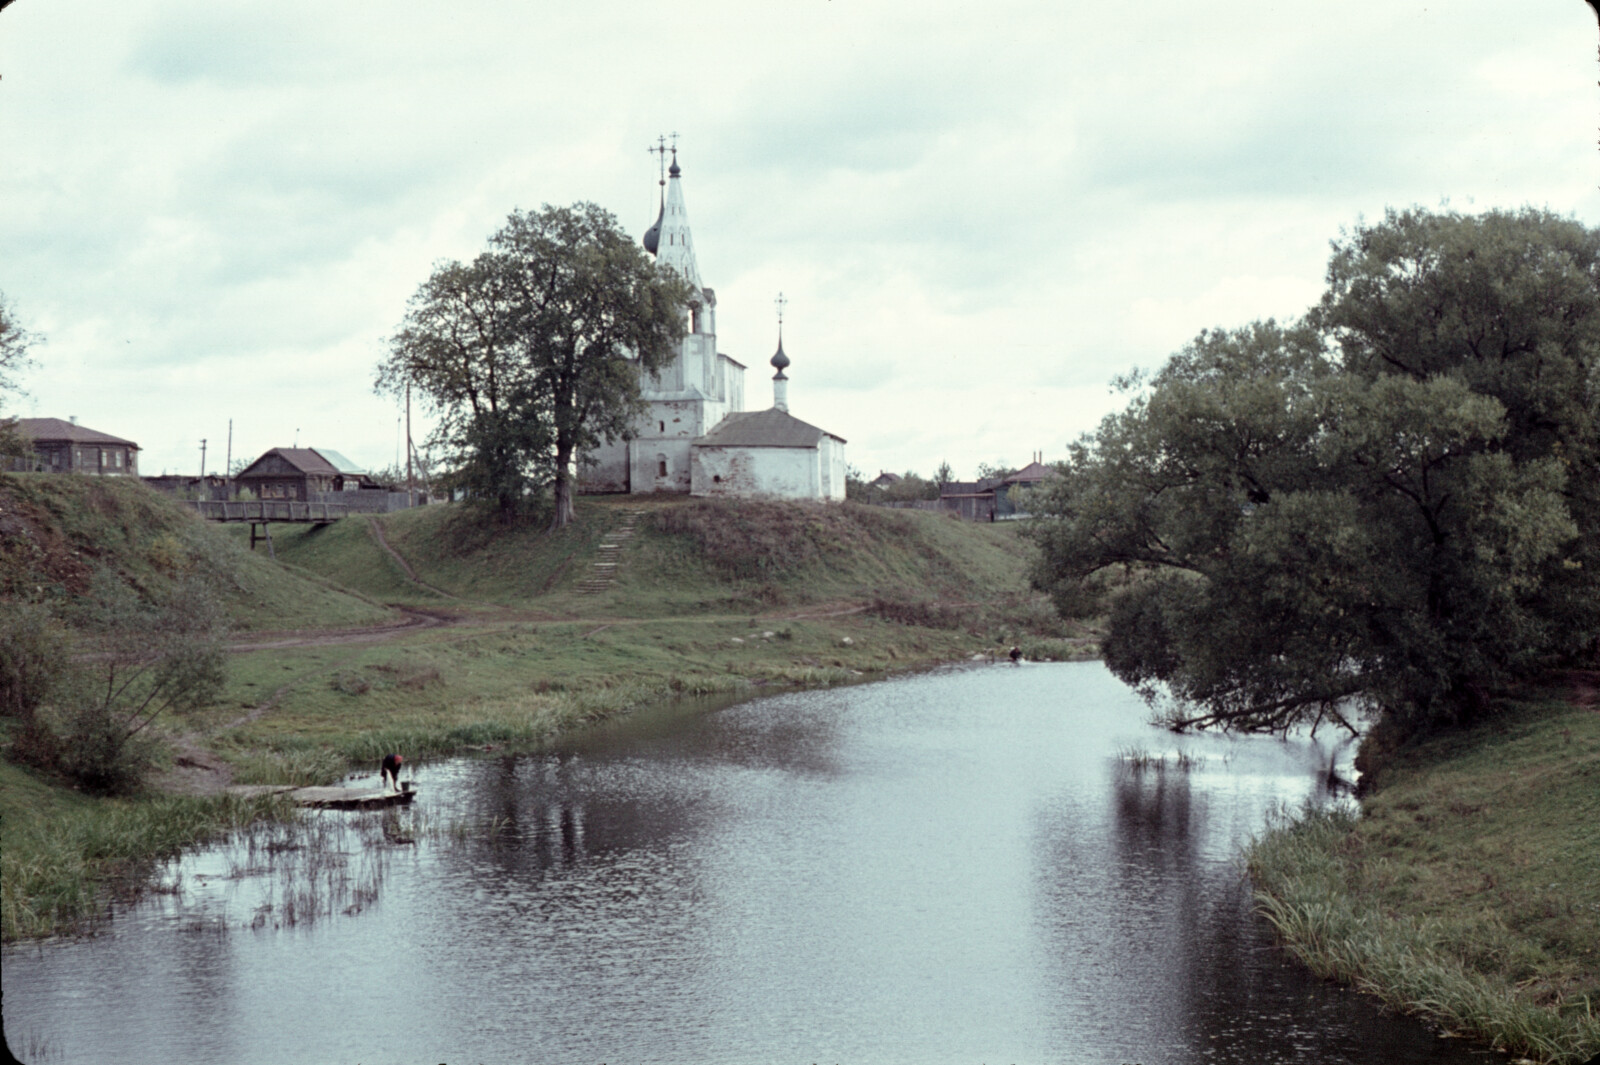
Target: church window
663, 426
661, 465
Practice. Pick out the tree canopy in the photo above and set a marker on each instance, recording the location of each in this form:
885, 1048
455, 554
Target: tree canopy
1391, 505
531, 354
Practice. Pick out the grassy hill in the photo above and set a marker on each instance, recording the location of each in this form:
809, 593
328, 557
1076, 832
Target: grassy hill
56, 531
686, 554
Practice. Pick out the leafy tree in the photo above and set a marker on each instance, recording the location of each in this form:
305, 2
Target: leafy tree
531, 354
84, 697
14, 344
459, 349
855, 489
1508, 303
944, 475
593, 313
909, 488
1388, 507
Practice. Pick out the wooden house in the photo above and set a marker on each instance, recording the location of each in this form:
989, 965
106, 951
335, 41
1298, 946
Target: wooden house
67, 447
301, 473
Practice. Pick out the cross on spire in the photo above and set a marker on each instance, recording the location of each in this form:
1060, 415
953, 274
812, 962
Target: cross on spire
660, 151
780, 302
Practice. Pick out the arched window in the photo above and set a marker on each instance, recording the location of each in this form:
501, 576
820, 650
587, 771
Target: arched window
661, 465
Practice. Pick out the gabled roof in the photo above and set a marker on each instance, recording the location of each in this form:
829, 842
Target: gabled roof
51, 430
303, 459
1032, 473
338, 461
764, 428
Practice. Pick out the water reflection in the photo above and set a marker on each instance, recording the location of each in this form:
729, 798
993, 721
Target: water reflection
954, 867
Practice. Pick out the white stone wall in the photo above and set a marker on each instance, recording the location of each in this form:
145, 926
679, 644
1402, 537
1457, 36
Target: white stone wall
756, 472
830, 463
605, 469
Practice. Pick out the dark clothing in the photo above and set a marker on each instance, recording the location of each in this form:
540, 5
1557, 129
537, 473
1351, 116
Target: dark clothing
389, 772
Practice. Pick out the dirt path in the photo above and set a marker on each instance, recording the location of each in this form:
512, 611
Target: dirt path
376, 527
415, 620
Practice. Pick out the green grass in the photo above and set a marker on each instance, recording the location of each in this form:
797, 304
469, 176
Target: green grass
56, 529
1469, 889
687, 555
518, 684
65, 856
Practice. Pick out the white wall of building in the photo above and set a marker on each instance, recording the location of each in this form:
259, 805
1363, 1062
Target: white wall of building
756, 472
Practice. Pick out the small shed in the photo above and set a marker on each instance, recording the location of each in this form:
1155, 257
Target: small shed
300, 472
67, 447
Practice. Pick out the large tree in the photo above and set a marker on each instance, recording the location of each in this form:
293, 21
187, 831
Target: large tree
1386, 507
531, 354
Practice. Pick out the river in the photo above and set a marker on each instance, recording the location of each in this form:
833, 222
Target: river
959, 866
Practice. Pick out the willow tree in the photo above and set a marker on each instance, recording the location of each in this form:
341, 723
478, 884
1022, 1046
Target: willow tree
531, 354
1387, 508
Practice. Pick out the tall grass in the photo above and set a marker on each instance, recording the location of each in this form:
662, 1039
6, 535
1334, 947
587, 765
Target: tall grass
61, 873
1303, 874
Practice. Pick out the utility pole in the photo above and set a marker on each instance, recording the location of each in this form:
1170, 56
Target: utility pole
202, 462
227, 471
411, 488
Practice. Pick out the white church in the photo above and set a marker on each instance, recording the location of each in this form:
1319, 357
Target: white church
697, 437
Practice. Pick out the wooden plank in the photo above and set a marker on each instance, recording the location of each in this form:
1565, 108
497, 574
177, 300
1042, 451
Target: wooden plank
332, 798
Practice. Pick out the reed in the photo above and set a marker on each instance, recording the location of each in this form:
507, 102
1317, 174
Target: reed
61, 873
1455, 977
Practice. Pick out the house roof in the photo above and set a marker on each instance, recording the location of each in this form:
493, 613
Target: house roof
1032, 473
338, 461
884, 478
764, 428
49, 430
303, 459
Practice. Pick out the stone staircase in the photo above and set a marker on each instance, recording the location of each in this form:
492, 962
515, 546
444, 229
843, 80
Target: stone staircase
604, 572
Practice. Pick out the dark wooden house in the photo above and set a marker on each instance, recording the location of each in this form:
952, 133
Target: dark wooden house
67, 447
301, 473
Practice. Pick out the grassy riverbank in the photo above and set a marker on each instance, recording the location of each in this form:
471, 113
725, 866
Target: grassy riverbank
508, 644
67, 857
1468, 892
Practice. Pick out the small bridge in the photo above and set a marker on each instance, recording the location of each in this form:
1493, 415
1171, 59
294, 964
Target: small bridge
260, 512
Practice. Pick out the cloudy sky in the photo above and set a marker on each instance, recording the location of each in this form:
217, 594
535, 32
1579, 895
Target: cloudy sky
979, 212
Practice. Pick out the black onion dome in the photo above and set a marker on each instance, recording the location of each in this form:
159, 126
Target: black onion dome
780, 360
652, 236
673, 171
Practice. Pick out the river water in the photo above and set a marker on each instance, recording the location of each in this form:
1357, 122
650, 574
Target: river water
954, 867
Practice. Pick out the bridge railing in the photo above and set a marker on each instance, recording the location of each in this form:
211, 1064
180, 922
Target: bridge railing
267, 510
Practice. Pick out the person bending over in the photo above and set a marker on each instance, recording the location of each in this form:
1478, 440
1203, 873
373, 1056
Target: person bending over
389, 772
